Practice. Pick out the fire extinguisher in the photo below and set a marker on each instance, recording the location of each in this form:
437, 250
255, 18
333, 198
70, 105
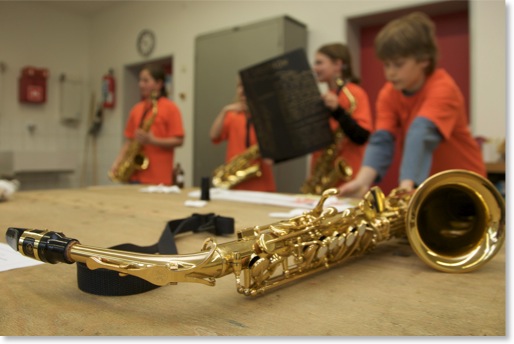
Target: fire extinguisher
108, 89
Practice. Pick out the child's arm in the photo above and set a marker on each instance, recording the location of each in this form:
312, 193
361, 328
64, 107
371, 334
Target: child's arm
358, 186
121, 154
377, 159
379, 153
421, 140
164, 142
217, 125
349, 125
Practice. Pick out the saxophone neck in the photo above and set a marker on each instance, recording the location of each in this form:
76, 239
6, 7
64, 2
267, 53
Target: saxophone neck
52, 247
203, 267
149, 121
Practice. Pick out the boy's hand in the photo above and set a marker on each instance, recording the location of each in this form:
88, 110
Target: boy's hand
360, 185
353, 189
407, 185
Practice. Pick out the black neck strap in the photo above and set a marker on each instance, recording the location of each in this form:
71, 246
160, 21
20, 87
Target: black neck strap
110, 283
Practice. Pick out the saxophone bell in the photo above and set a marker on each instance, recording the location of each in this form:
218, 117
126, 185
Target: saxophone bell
456, 221
330, 170
141, 161
240, 168
344, 170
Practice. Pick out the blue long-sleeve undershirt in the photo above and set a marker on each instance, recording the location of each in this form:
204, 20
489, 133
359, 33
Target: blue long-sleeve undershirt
421, 140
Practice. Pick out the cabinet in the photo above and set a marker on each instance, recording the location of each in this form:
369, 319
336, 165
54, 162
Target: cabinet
219, 56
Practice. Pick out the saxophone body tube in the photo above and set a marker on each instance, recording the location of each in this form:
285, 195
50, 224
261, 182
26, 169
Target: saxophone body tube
262, 257
455, 222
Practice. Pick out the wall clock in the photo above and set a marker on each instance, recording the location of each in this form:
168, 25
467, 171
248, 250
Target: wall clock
145, 42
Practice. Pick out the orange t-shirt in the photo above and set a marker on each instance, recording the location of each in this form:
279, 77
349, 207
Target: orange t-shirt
440, 101
234, 132
351, 152
167, 123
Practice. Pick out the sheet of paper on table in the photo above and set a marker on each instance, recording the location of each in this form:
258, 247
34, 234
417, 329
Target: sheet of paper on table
11, 259
299, 203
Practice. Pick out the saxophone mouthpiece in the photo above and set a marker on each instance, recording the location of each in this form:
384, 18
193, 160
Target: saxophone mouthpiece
12, 236
46, 246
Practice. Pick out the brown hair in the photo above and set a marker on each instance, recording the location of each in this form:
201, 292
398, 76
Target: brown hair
412, 35
157, 74
338, 51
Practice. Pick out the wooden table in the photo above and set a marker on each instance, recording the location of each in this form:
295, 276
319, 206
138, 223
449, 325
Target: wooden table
389, 292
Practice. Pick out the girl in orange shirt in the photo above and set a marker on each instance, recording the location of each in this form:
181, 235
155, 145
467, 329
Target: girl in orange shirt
233, 124
166, 132
348, 104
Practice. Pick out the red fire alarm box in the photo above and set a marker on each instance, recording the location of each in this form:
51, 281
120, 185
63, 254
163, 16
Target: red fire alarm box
33, 85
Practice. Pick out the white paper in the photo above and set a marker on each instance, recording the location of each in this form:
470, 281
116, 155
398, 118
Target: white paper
195, 203
161, 189
323, 88
291, 201
11, 259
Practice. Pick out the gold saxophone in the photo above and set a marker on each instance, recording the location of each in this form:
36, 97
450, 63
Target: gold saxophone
455, 222
134, 159
330, 169
240, 168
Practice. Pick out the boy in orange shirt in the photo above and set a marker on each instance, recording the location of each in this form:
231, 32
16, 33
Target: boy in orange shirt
420, 106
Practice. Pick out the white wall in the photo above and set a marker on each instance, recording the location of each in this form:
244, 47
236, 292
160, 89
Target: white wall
43, 38
488, 48
108, 40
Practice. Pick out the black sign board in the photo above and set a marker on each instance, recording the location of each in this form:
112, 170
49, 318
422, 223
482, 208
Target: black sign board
288, 113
